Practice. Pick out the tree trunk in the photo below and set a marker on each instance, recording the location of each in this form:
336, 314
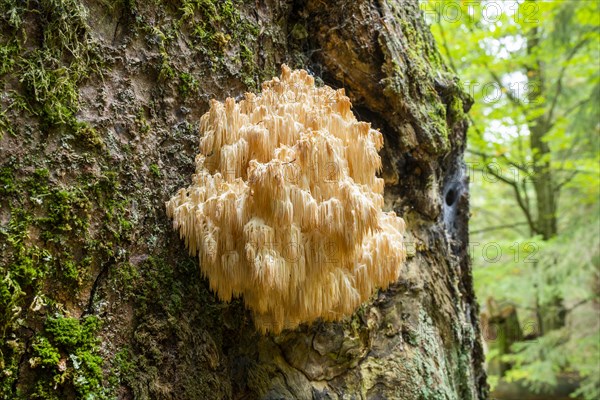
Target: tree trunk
542, 178
501, 329
99, 122
552, 313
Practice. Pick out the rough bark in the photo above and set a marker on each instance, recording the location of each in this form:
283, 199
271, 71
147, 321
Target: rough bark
99, 116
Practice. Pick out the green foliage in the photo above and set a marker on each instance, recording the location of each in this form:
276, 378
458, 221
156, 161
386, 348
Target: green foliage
537, 362
584, 355
533, 72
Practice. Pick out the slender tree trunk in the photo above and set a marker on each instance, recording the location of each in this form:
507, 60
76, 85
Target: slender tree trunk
552, 313
99, 127
542, 173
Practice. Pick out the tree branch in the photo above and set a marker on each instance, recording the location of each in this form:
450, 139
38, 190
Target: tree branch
525, 195
495, 228
565, 181
561, 75
580, 303
577, 105
515, 100
447, 49
520, 201
503, 156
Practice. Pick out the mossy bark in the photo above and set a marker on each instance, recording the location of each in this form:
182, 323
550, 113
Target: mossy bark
98, 127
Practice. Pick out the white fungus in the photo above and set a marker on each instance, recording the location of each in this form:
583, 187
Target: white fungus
285, 208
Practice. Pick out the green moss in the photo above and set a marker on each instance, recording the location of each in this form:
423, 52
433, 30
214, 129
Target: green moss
67, 210
125, 279
69, 270
155, 170
5, 125
67, 350
418, 39
219, 32
8, 54
65, 216
215, 30
53, 90
168, 304
456, 109
36, 185
73, 334
62, 255
431, 364
7, 184
438, 108
142, 125
55, 213
47, 355
165, 71
87, 134
187, 84
50, 73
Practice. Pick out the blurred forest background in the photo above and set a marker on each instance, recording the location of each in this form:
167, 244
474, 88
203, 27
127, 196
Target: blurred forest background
532, 68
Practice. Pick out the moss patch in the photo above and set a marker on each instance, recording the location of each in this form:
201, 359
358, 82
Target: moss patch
62, 57
49, 242
67, 353
215, 30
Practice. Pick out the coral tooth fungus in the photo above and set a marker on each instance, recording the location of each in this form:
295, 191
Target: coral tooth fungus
285, 208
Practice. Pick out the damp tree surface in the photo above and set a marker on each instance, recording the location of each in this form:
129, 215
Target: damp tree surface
99, 120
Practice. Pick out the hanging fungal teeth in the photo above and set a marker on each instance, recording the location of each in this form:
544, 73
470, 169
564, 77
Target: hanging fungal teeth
285, 208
